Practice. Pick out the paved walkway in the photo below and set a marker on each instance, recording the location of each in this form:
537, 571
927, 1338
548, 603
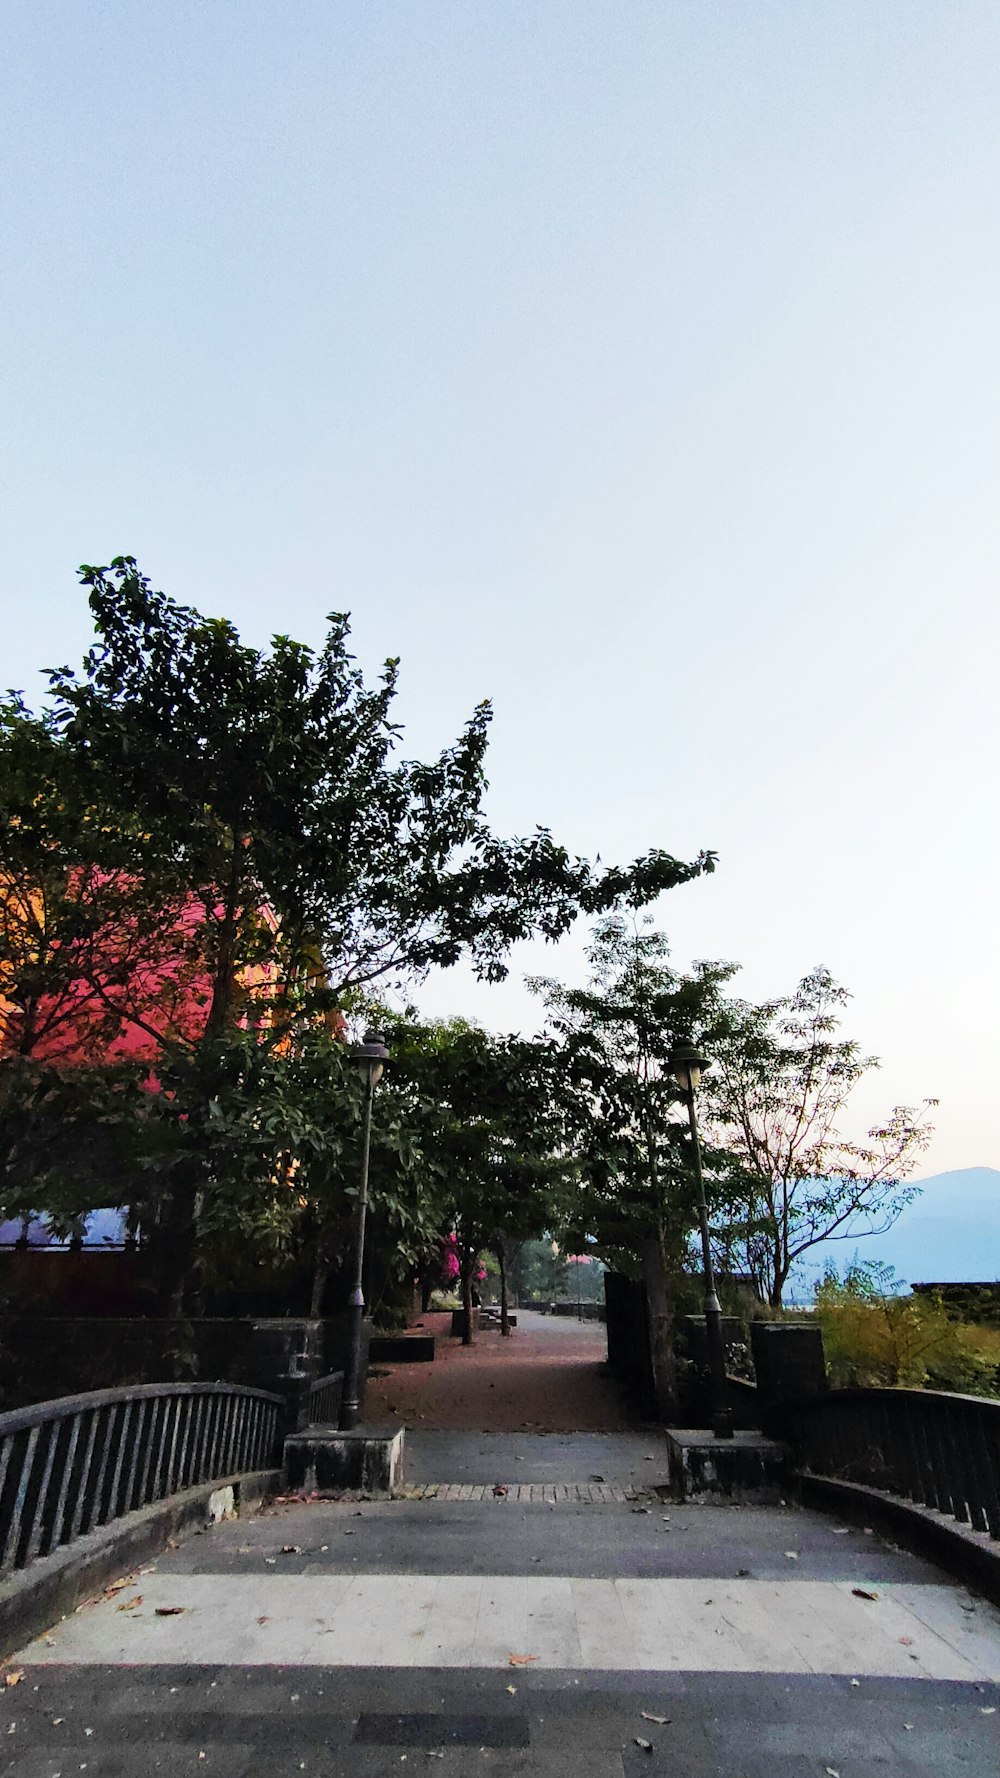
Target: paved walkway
567, 1628
539, 1638
550, 1375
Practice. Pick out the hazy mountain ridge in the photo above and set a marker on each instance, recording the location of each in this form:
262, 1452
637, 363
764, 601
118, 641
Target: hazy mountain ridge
950, 1234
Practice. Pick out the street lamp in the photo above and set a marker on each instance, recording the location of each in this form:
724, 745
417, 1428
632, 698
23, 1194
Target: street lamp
369, 1059
686, 1065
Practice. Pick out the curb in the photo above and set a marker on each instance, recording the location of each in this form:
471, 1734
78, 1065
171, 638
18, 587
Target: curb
971, 1556
32, 1599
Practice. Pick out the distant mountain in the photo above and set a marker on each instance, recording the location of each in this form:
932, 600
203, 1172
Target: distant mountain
950, 1234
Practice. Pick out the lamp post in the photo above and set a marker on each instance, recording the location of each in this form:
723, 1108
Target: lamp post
369, 1060
686, 1065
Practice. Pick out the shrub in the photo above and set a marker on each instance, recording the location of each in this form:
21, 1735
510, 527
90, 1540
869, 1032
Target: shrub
875, 1337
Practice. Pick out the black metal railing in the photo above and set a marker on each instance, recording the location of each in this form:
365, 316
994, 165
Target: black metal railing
70, 1465
939, 1450
324, 1399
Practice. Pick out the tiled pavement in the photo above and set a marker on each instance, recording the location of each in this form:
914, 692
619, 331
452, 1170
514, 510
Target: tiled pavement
526, 1493
464, 1632
573, 1625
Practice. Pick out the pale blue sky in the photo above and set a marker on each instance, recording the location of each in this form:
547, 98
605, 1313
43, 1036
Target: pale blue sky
633, 364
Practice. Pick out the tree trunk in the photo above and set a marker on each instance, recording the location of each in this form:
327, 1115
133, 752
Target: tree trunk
504, 1307
661, 1331
174, 1244
321, 1272
468, 1261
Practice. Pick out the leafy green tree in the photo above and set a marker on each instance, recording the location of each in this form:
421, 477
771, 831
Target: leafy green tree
621, 1119
493, 1138
776, 1095
265, 786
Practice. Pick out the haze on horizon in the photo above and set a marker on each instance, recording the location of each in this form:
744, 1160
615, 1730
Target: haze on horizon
635, 367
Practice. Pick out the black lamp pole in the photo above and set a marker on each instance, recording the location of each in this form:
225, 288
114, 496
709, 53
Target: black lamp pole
686, 1065
370, 1060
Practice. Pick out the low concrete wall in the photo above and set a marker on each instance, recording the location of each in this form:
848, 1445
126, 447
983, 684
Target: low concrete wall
971, 1556
44, 1358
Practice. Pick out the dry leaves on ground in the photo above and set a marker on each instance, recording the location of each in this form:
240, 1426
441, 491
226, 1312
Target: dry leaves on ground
521, 1660
863, 1593
170, 1610
14, 1676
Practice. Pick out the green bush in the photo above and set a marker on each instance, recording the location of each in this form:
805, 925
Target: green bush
875, 1337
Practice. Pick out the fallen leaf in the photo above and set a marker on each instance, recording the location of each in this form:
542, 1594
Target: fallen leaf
512, 1690
14, 1677
597, 1478
647, 1746
129, 1604
170, 1610
499, 1490
521, 1660
907, 1641
863, 1593
264, 1619
647, 1716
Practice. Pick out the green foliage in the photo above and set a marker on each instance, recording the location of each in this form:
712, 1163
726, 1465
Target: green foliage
618, 1101
182, 768
875, 1337
270, 774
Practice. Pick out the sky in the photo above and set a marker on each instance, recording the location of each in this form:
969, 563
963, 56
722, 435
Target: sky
632, 365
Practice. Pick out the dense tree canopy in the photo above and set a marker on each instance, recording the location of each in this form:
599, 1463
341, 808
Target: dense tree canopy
208, 848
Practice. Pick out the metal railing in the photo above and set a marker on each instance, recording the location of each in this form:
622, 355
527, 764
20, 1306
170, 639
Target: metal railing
70, 1465
324, 1399
939, 1450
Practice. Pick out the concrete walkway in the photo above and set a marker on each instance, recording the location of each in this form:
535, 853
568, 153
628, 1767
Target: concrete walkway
575, 1624
514, 1636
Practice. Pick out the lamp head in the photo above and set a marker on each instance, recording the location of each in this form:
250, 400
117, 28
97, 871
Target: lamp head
370, 1057
686, 1063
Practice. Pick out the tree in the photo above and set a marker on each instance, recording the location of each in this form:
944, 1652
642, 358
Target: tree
493, 1139
775, 1095
636, 1199
252, 803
